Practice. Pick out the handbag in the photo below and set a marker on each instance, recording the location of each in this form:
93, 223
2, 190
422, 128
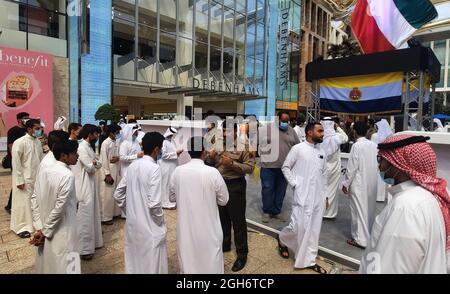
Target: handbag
7, 161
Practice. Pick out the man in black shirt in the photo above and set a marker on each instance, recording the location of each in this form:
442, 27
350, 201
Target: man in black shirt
102, 136
15, 133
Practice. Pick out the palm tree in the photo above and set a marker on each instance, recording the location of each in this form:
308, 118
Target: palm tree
348, 47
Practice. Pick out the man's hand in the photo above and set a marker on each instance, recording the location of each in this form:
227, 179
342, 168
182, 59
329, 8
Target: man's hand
140, 155
345, 190
114, 159
21, 187
227, 161
179, 152
94, 162
109, 180
38, 239
212, 153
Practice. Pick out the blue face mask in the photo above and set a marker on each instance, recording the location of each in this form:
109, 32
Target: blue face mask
389, 181
118, 136
38, 133
284, 126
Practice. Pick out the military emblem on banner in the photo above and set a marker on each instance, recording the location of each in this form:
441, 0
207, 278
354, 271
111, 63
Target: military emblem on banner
355, 95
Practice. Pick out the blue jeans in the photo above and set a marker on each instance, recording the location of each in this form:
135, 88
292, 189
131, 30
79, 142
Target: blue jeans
273, 191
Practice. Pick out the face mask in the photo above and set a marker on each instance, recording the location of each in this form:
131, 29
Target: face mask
389, 181
118, 136
79, 141
134, 138
284, 126
38, 133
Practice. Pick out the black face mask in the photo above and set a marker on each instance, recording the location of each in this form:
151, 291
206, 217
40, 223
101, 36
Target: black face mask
93, 144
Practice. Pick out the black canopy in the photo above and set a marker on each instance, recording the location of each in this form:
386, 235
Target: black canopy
411, 59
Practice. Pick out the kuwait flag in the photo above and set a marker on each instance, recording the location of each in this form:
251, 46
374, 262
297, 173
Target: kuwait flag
384, 25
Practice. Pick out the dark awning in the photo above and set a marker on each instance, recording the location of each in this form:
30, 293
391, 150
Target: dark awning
405, 60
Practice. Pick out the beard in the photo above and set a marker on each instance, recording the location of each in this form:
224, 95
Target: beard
318, 140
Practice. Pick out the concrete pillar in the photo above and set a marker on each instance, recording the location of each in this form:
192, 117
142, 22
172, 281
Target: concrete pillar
134, 106
182, 103
241, 107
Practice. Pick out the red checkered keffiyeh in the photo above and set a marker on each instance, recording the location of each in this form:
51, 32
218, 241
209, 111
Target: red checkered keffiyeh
419, 162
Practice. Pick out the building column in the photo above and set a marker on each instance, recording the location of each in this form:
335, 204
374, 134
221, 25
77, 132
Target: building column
182, 103
134, 107
241, 108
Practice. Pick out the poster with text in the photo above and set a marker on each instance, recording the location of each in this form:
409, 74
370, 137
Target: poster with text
26, 85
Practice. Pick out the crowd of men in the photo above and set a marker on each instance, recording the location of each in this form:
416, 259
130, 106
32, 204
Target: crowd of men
61, 199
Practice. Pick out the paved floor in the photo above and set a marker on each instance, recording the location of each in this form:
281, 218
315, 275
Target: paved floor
17, 256
334, 233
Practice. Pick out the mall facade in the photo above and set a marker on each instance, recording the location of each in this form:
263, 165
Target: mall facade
158, 58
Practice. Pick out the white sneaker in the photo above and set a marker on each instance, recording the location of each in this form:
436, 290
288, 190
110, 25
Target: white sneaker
265, 218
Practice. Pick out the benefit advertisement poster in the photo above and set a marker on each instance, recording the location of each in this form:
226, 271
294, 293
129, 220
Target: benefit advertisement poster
26, 85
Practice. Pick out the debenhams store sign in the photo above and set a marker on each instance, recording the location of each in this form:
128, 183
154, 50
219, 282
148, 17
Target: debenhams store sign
232, 88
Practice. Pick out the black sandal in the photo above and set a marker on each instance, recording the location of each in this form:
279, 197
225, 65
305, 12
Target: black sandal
283, 250
318, 269
353, 243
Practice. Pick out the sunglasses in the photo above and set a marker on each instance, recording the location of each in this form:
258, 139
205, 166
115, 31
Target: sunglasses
379, 158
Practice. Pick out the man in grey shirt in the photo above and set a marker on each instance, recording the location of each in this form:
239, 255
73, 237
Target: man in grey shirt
272, 158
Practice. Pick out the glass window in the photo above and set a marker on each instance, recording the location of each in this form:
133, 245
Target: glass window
146, 61
184, 61
186, 17
50, 5
228, 43
148, 12
168, 10
123, 49
240, 6
124, 10
229, 3
251, 37
201, 60
45, 23
167, 58
201, 21
250, 68
260, 47
439, 50
215, 58
216, 24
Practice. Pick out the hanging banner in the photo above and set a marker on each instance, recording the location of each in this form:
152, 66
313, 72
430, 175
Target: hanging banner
26, 85
283, 47
376, 93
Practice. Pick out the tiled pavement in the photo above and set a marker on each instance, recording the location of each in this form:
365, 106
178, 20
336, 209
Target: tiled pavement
17, 256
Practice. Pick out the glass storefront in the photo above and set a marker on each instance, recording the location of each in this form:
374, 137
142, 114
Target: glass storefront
34, 25
282, 54
178, 43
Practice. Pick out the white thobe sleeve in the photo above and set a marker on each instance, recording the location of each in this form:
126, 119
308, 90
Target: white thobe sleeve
352, 167
120, 195
400, 247
37, 223
104, 157
221, 189
325, 179
167, 152
288, 165
56, 214
86, 161
17, 167
123, 153
343, 136
172, 185
154, 197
